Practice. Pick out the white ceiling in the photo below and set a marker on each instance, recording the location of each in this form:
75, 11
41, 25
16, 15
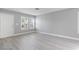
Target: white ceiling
32, 11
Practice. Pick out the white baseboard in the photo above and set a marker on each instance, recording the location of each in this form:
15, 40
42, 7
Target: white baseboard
57, 35
62, 36
5, 36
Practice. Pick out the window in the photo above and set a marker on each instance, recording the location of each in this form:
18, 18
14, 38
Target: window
24, 23
27, 23
31, 23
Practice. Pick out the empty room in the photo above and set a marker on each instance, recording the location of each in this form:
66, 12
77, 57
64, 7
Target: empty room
39, 28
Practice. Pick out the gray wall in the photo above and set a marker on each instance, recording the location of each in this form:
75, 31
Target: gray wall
17, 19
61, 22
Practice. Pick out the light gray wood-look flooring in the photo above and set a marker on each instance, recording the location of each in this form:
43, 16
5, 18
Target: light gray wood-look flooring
37, 41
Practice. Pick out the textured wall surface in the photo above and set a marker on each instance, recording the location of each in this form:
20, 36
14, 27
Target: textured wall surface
17, 19
61, 22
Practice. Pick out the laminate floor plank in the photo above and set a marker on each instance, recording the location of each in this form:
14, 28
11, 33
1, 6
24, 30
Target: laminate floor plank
38, 41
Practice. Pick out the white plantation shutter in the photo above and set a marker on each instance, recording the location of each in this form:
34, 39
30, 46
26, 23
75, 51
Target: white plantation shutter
78, 23
6, 24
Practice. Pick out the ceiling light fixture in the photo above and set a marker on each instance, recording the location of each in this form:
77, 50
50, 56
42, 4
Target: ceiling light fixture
37, 9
